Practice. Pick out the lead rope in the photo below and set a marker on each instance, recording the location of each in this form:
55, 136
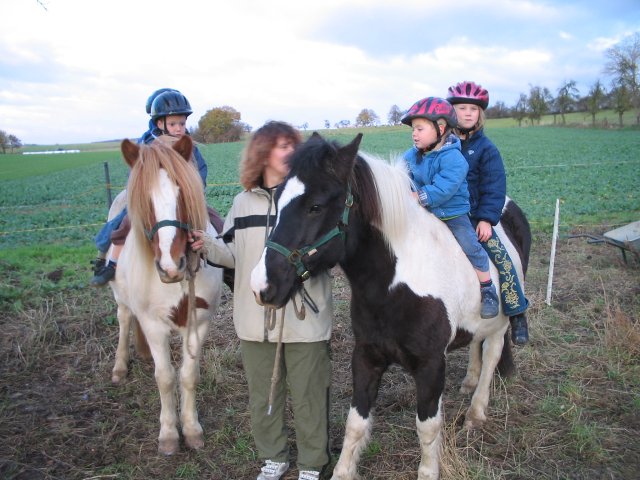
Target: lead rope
193, 265
271, 323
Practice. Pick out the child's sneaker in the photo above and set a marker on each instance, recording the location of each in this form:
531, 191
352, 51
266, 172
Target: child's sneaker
490, 304
272, 470
104, 275
309, 475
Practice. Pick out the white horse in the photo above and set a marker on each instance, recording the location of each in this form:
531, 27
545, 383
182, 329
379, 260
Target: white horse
156, 286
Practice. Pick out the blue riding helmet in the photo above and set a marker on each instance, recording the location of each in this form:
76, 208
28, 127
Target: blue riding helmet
171, 102
153, 96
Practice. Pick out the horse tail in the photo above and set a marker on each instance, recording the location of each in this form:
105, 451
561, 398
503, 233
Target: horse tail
515, 224
506, 365
141, 344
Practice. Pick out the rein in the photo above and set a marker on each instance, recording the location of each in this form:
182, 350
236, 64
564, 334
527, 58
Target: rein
295, 256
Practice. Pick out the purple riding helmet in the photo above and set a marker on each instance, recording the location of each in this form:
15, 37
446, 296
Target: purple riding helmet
469, 92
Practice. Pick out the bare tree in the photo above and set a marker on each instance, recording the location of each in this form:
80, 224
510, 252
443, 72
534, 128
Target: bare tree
394, 116
567, 97
594, 100
519, 112
623, 66
539, 101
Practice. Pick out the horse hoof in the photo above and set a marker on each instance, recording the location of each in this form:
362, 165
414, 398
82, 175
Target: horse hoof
168, 447
195, 442
474, 422
118, 376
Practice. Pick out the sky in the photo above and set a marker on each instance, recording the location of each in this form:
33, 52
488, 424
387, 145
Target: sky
78, 71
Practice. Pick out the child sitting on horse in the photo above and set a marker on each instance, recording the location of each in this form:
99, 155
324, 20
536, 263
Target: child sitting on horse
439, 171
487, 182
169, 110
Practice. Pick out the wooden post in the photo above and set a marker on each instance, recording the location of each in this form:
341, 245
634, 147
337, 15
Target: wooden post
108, 184
553, 251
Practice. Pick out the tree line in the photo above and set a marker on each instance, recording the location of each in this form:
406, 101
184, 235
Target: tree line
621, 65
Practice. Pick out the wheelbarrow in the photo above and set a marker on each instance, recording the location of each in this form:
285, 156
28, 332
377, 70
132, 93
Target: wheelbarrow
626, 238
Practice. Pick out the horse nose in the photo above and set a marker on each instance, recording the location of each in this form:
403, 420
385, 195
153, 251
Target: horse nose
265, 296
172, 274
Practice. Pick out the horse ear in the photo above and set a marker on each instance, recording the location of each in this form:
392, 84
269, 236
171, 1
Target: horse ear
348, 155
129, 151
184, 147
315, 135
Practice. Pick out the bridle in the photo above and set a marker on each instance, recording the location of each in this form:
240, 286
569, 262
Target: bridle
295, 256
166, 223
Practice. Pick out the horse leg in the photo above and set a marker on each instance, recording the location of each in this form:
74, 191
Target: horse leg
367, 374
474, 367
121, 364
430, 381
158, 336
189, 379
491, 351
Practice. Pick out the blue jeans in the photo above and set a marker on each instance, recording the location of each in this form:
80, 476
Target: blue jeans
468, 239
103, 238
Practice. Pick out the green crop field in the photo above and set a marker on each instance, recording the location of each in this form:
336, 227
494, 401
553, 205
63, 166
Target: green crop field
571, 411
62, 199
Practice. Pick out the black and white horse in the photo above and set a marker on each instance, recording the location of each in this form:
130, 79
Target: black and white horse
414, 293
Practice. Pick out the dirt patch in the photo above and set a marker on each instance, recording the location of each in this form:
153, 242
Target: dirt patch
572, 411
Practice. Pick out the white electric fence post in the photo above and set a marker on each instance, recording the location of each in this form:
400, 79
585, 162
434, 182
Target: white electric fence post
553, 251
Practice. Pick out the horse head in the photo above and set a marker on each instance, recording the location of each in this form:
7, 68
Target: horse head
165, 202
313, 205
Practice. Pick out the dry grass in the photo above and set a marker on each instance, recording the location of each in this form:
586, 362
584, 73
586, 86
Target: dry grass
572, 412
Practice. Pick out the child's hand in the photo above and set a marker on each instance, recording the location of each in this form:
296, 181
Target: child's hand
483, 229
196, 240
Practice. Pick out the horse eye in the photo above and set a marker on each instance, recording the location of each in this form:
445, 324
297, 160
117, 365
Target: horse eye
314, 209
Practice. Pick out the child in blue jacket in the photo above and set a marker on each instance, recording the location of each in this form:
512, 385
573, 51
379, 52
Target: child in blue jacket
169, 110
487, 189
439, 172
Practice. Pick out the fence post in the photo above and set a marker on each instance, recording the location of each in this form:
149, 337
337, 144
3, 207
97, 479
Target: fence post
108, 184
552, 260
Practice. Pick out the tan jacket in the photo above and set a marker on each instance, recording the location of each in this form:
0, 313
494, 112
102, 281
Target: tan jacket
241, 246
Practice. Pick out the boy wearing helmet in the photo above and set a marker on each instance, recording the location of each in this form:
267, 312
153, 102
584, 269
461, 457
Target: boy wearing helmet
488, 189
169, 110
439, 171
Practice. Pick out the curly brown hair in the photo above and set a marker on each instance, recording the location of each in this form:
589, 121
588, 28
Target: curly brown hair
257, 151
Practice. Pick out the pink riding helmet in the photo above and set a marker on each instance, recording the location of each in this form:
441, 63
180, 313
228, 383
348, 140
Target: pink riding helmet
469, 92
431, 108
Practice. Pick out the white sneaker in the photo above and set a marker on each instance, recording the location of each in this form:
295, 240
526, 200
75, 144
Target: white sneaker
309, 475
273, 470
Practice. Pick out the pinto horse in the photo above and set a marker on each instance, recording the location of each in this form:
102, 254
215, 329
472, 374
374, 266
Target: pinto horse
414, 293
156, 286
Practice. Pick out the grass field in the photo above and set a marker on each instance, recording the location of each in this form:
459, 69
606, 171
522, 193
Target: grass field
572, 412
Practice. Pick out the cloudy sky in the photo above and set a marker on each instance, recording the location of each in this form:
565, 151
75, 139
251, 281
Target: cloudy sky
81, 70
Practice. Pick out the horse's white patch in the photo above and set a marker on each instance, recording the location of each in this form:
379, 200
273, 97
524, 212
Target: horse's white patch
259, 274
165, 203
292, 189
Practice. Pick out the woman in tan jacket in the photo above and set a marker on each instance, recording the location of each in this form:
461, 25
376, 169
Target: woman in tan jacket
304, 367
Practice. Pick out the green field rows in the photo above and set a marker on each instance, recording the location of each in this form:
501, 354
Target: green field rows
61, 199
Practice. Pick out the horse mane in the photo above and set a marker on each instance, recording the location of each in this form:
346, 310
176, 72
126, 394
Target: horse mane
144, 179
384, 190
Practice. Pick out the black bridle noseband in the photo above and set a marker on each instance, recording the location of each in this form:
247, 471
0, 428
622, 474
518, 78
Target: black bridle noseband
295, 256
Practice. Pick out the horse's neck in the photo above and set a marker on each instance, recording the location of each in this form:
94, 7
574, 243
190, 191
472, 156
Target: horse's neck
367, 256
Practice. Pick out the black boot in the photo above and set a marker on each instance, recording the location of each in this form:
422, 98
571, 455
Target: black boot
519, 329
